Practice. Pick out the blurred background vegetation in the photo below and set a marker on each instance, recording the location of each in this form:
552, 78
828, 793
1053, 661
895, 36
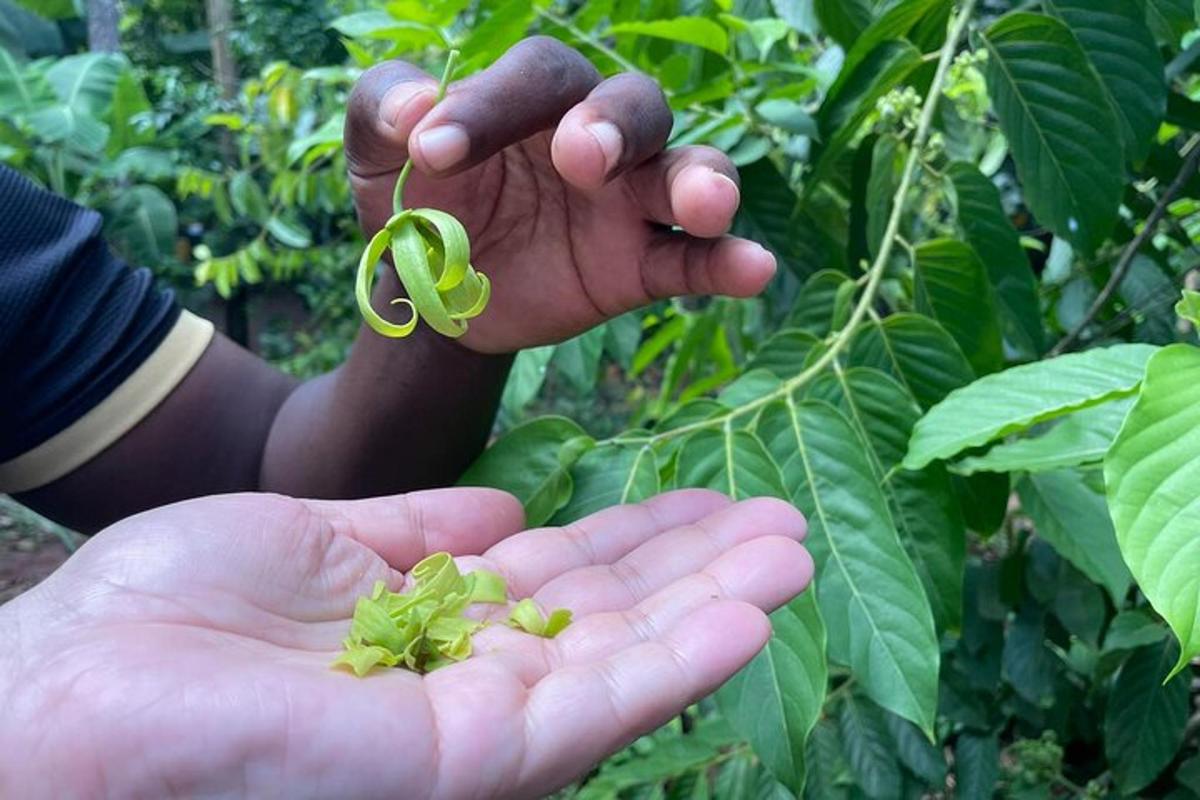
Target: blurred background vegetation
209, 136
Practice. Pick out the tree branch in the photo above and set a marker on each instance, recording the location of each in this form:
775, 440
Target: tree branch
1119, 273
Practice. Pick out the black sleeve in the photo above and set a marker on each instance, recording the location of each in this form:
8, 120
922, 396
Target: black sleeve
75, 321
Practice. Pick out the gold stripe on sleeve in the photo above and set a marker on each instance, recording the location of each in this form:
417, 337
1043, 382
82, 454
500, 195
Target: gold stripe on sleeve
116, 415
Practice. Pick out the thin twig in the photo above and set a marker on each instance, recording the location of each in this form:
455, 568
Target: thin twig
1189, 168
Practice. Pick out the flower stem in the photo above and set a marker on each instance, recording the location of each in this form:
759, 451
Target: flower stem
398, 194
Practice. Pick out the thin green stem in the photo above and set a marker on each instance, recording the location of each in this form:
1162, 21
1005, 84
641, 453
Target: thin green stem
875, 274
587, 38
398, 193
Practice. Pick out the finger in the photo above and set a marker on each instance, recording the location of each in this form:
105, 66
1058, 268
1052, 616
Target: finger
676, 264
766, 573
527, 91
386, 104
406, 528
696, 188
530, 559
670, 556
623, 122
578, 715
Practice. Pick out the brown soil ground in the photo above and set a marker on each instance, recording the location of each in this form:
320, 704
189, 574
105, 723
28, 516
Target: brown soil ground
30, 548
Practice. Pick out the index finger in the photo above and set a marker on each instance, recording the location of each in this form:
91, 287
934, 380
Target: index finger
404, 529
528, 90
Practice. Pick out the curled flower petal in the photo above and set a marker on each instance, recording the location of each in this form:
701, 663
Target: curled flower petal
526, 616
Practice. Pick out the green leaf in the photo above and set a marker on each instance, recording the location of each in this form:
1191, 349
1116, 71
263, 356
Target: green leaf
844, 20
775, 701
824, 757
732, 462
490, 39
379, 25
1066, 142
622, 336
1132, 629
364, 24
953, 288
816, 305
1153, 477
52, 9
85, 83
14, 93
1114, 35
897, 22
855, 97
533, 462
983, 499
751, 385
142, 225
977, 765
289, 233
879, 620
768, 216
1015, 399
1028, 664
785, 353
526, 379
578, 359
1079, 439
1146, 292
1072, 517
869, 749
1146, 719
1189, 307
918, 755
789, 116
994, 239
698, 31
887, 167
323, 139
916, 351
923, 507
664, 755
800, 14
248, 198
1170, 20
128, 101
610, 475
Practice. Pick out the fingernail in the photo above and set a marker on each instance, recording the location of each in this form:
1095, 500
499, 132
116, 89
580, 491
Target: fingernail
398, 99
444, 146
608, 136
724, 179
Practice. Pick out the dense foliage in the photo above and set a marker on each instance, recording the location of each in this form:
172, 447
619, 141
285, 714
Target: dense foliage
975, 373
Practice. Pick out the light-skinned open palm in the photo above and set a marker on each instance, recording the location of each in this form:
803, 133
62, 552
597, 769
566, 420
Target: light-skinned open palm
187, 651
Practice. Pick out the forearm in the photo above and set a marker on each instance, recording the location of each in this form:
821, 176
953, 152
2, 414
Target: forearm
398, 415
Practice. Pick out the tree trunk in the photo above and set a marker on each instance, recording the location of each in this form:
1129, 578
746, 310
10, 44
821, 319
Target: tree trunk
220, 23
103, 18
225, 73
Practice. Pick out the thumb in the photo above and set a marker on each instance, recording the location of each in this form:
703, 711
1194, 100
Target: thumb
386, 104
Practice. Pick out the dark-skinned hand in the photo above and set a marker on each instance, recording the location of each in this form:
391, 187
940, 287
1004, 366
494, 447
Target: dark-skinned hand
575, 210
